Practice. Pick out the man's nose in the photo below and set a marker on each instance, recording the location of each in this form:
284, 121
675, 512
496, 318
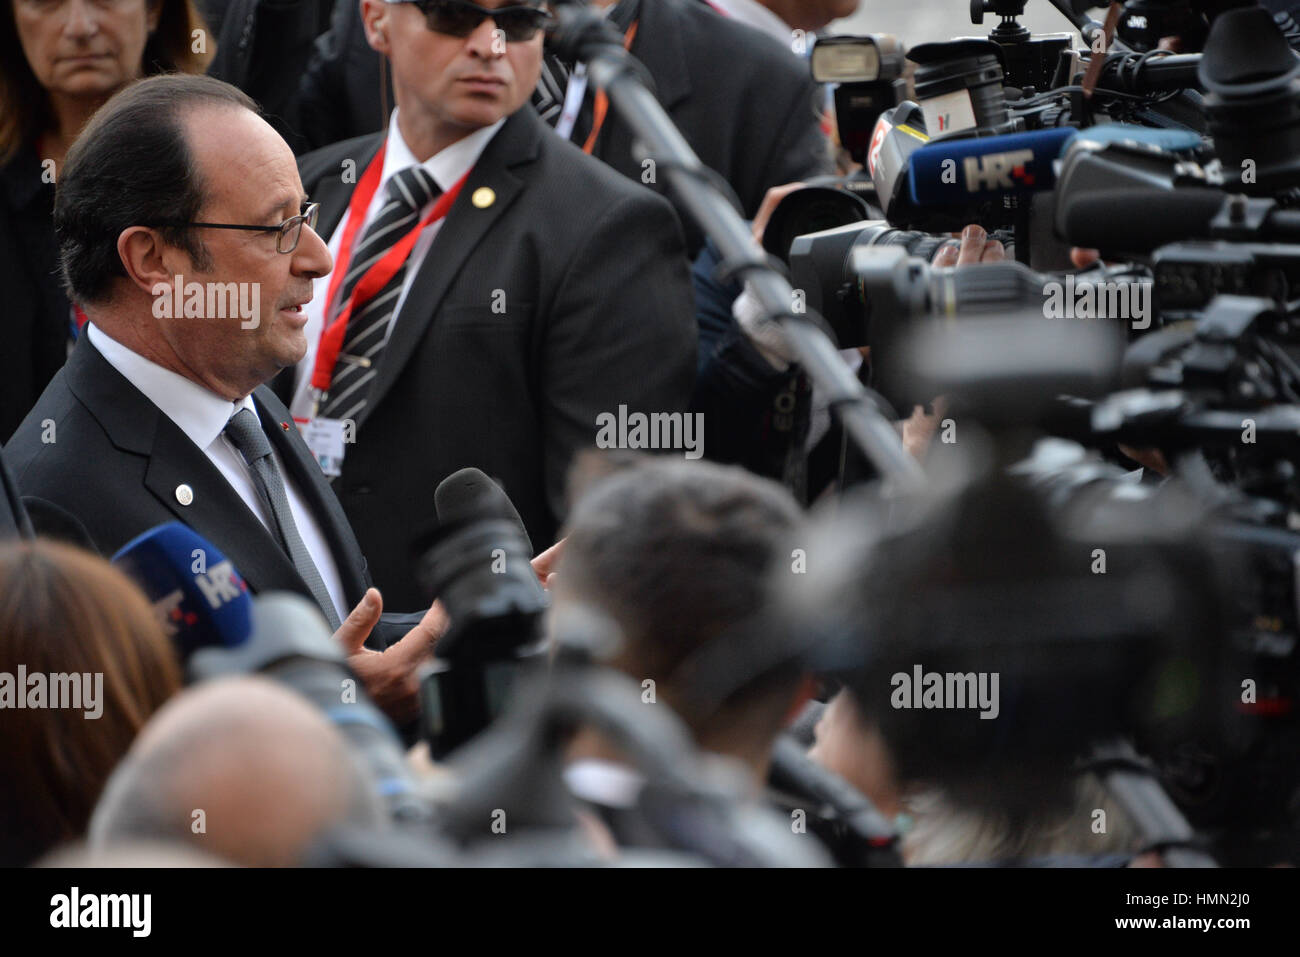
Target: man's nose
487, 41
312, 257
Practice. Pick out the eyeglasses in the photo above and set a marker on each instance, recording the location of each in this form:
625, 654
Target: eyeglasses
459, 18
288, 232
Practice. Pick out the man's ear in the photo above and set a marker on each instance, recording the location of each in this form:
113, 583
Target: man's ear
153, 13
374, 19
142, 252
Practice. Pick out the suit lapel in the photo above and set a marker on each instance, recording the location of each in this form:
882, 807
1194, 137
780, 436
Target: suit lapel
136, 426
216, 511
515, 144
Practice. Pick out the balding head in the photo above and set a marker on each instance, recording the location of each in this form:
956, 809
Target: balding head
241, 767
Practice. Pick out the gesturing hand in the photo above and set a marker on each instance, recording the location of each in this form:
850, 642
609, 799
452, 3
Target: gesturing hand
389, 675
544, 564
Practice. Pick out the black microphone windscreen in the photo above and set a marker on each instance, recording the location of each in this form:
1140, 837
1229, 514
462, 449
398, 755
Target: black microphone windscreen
469, 495
1245, 46
1139, 220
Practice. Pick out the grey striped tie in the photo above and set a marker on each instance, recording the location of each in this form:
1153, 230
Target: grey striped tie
548, 95
245, 433
409, 191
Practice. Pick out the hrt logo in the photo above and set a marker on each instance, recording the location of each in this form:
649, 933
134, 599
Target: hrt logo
221, 584
998, 171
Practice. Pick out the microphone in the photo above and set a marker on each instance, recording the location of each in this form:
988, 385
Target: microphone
958, 172
479, 565
1106, 220
195, 590
469, 494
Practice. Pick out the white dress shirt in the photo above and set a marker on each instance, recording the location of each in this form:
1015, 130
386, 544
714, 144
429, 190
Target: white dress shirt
202, 416
446, 167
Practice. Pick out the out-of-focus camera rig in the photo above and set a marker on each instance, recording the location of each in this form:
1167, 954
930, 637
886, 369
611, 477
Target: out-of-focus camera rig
1171, 673
1180, 169
1168, 142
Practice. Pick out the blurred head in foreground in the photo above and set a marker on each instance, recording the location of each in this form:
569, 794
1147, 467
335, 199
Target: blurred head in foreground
94, 665
676, 553
241, 768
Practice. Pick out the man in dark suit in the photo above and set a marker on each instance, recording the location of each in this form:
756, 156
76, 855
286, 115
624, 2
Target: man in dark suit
177, 190
749, 109
746, 105
553, 291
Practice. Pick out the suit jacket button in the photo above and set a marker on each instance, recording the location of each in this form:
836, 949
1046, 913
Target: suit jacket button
184, 494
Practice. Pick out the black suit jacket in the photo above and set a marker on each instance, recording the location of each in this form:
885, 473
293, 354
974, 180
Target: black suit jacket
99, 464
748, 107
565, 297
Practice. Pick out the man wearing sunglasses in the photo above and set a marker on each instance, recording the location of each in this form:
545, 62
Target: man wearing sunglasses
495, 290
745, 103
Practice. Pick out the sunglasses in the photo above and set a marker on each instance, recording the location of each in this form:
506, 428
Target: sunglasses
459, 18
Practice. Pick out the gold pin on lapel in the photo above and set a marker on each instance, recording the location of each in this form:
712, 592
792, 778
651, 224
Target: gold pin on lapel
483, 197
184, 494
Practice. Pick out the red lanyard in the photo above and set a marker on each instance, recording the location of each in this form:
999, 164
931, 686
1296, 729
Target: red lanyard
377, 276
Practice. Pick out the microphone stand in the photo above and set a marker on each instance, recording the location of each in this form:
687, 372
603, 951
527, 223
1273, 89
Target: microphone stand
582, 34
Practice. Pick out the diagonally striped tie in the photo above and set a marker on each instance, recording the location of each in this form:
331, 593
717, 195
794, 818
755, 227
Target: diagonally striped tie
548, 95
409, 192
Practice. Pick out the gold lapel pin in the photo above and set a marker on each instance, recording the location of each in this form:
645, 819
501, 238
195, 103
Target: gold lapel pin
184, 494
483, 197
